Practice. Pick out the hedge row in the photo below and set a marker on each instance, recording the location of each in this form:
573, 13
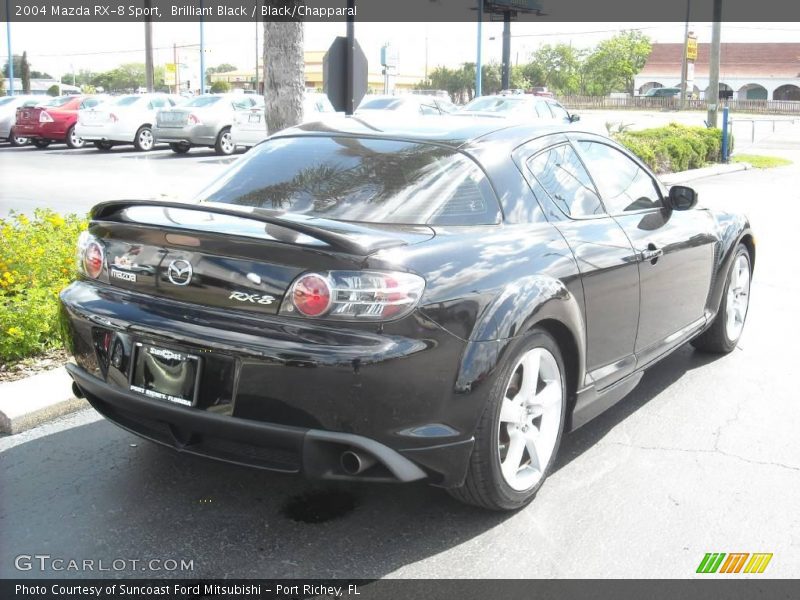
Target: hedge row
674, 147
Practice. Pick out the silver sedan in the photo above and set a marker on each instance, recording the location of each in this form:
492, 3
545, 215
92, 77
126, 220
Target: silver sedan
202, 121
8, 116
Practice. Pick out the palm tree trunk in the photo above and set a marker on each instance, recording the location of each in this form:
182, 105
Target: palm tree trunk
284, 73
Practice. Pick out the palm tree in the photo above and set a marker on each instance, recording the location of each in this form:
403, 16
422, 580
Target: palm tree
284, 71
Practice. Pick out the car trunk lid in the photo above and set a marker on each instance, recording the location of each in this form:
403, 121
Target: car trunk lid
230, 257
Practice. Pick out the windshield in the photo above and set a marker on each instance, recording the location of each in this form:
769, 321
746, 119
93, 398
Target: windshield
201, 101
60, 101
365, 180
490, 104
126, 100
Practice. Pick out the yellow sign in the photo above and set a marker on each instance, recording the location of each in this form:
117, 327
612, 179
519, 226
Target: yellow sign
691, 48
170, 73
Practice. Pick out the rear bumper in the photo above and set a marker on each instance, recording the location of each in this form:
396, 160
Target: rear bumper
106, 133
277, 395
56, 131
247, 136
273, 447
199, 135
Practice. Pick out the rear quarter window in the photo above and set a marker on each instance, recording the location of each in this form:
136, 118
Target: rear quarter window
359, 179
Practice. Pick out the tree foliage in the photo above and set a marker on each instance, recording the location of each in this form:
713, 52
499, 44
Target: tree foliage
18, 69
53, 90
220, 87
609, 67
25, 73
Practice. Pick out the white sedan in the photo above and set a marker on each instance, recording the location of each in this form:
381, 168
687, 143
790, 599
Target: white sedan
126, 120
249, 126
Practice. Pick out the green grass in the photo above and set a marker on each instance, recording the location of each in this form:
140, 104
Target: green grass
761, 162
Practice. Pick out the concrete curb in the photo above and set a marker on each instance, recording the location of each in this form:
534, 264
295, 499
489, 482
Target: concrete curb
29, 402
693, 174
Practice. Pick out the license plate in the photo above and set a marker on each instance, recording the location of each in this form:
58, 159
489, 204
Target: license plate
255, 118
171, 117
165, 374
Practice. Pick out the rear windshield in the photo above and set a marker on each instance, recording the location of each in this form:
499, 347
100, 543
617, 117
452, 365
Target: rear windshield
495, 104
126, 100
364, 180
203, 101
60, 101
381, 104
6, 100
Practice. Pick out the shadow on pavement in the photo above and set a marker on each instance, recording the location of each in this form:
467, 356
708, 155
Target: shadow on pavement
97, 492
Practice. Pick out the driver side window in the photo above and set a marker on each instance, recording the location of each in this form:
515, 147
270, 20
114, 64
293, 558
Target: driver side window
623, 185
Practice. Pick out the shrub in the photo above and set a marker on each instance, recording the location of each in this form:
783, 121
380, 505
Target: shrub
220, 87
674, 147
37, 260
53, 90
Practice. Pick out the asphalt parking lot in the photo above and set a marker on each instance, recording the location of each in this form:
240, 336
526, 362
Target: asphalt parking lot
702, 457
74, 180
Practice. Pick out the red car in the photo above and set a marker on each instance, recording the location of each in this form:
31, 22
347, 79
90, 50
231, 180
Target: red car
54, 120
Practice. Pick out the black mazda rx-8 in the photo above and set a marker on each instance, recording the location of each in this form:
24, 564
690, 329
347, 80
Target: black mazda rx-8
435, 301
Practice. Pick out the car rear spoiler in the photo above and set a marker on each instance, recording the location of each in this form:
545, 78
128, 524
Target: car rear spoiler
347, 237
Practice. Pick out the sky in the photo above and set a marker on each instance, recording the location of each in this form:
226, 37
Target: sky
57, 48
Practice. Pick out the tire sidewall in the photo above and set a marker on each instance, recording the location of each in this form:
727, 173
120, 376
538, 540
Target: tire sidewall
74, 146
723, 310
507, 495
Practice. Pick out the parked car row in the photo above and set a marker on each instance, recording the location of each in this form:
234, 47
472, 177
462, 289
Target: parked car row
219, 121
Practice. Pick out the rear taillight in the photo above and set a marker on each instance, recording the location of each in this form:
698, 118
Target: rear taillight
195, 120
91, 256
311, 295
354, 295
44, 117
113, 118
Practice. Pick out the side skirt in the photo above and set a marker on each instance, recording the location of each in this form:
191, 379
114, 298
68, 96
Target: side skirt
590, 403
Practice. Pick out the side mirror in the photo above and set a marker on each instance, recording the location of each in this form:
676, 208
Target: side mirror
574, 118
681, 197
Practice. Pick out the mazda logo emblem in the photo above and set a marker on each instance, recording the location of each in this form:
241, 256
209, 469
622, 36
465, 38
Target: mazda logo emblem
179, 272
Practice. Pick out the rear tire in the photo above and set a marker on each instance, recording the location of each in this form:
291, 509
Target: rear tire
725, 331
143, 141
16, 140
523, 408
224, 144
74, 141
179, 148
103, 145
40, 143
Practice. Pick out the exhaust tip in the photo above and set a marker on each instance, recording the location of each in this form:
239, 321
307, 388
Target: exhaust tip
76, 391
354, 462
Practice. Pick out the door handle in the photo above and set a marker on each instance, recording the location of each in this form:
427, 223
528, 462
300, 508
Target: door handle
651, 253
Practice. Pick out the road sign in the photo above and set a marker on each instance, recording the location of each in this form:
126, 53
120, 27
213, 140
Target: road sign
170, 71
691, 48
335, 80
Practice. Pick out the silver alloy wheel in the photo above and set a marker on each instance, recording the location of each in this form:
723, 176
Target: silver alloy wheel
145, 139
738, 298
75, 140
19, 141
226, 142
530, 417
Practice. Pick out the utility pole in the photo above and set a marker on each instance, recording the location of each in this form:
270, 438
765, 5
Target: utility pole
177, 68
685, 60
255, 87
713, 67
202, 54
10, 56
478, 66
506, 67
148, 50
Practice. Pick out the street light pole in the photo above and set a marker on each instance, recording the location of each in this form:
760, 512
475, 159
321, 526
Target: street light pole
10, 56
148, 50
